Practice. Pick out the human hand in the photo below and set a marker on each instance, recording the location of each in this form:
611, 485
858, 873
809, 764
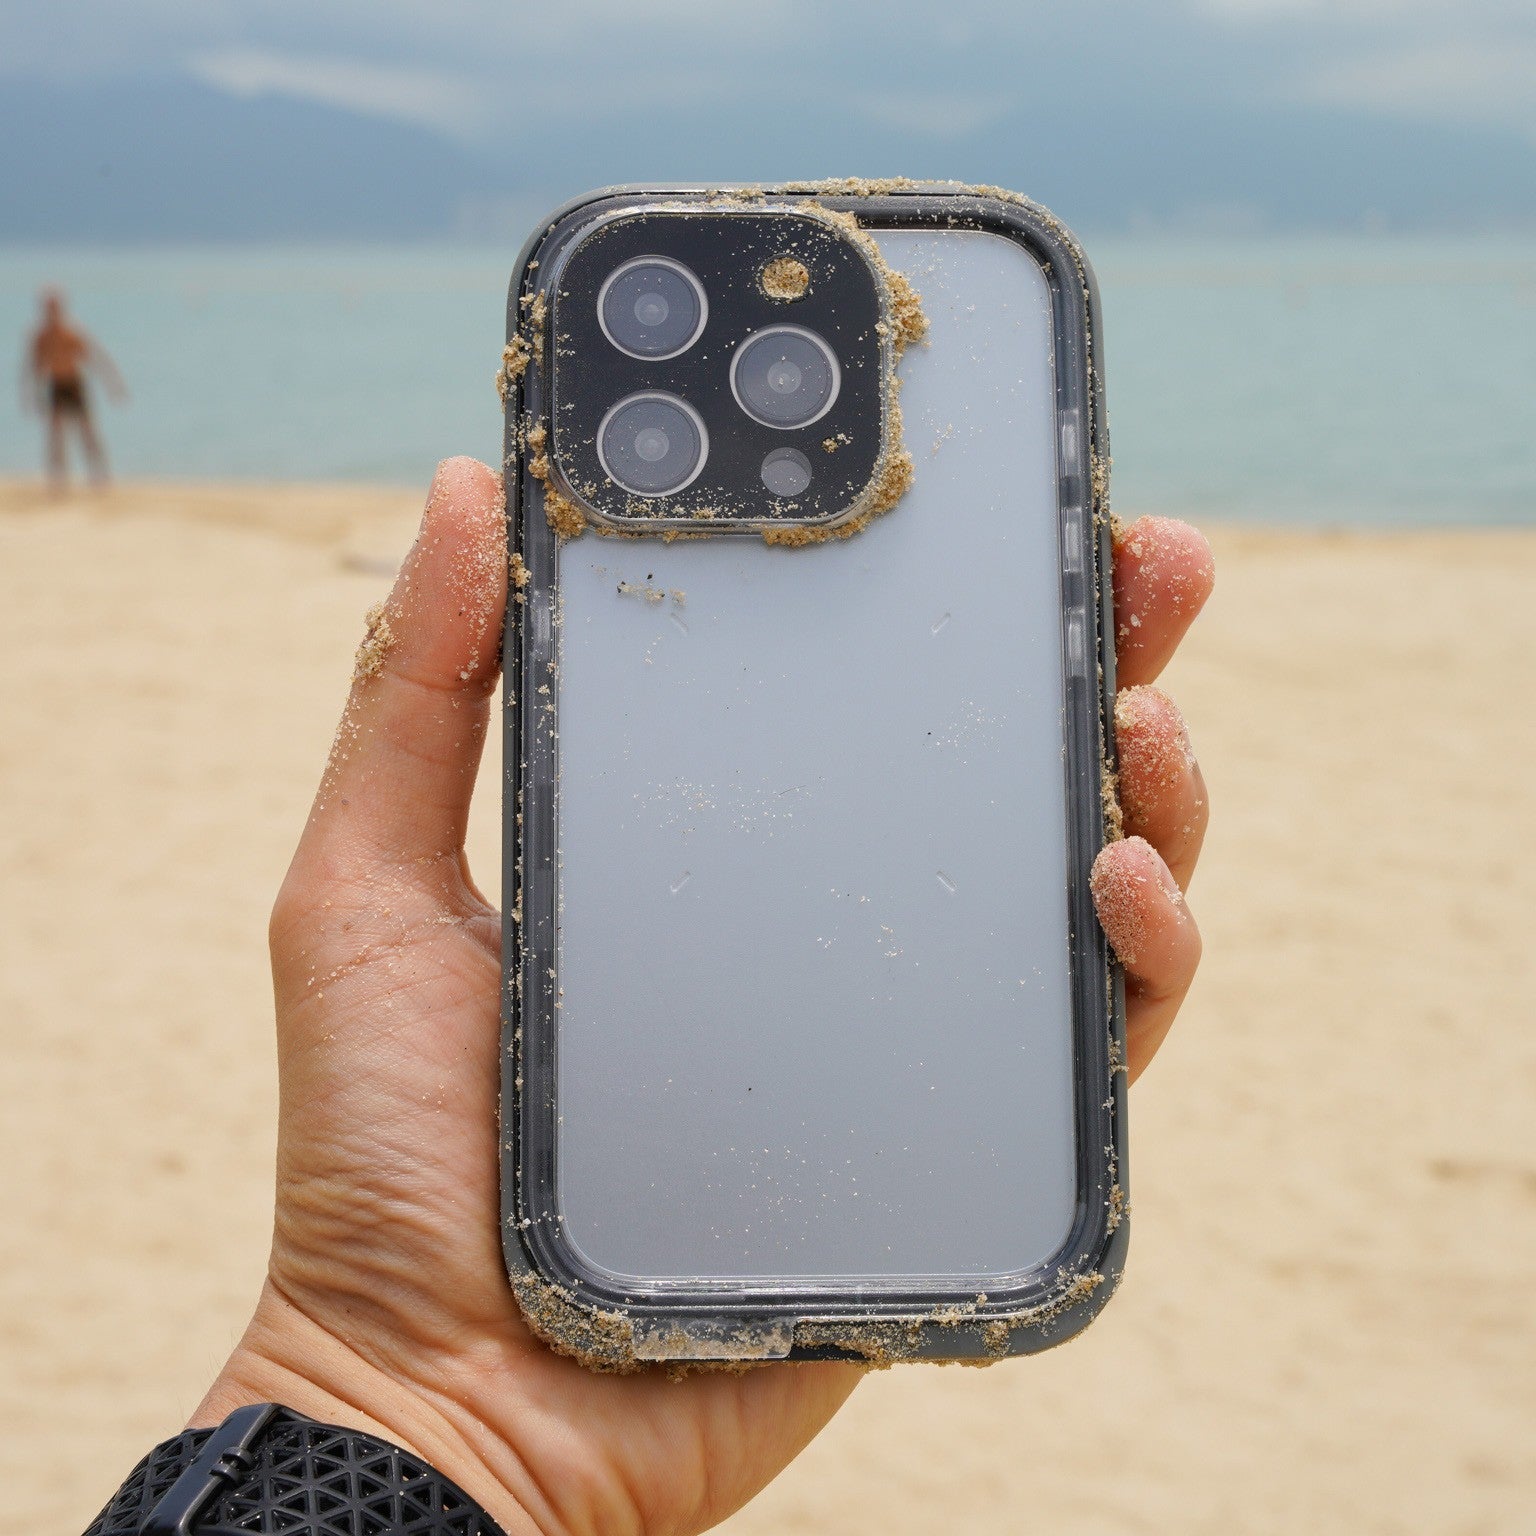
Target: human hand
387, 1306
1163, 575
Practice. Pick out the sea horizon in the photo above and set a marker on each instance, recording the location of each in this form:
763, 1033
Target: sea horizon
1335, 380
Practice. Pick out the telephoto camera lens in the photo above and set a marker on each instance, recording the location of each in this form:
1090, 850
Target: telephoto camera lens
785, 376
652, 444
652, 307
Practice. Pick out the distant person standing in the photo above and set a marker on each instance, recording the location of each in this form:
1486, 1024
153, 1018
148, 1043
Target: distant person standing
59, 358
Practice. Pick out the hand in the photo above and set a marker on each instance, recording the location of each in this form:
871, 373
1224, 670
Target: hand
1163, 575
387, 1305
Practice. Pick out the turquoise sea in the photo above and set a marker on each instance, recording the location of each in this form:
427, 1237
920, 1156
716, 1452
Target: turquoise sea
1344, 381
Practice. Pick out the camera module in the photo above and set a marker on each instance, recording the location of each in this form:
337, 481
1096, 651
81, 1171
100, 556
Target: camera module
702, 358
652, 443
785, 376
652, 307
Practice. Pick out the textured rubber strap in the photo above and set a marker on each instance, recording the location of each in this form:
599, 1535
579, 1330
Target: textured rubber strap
278, 1472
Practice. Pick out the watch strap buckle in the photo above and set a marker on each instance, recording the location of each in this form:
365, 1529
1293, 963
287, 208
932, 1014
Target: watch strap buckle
224, 1461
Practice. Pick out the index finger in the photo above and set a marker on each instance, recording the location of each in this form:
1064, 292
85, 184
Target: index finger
1164, 571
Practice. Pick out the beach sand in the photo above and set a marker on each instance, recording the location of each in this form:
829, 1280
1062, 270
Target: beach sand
1327, 1320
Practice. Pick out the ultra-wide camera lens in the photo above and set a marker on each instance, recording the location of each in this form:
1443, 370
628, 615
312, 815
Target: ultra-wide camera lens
652, 307
785, 376
652, 444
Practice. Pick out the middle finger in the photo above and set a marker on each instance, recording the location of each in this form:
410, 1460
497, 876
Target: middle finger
1162, 791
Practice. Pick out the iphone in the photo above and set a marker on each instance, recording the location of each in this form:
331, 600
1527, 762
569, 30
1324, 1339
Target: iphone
813, 1043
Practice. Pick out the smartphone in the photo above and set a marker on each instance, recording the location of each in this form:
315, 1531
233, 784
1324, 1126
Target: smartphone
813, 1043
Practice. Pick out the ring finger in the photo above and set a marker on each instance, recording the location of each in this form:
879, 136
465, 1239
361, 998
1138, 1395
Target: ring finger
1162, 791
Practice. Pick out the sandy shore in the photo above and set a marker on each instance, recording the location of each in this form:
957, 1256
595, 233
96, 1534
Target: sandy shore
1327, 1324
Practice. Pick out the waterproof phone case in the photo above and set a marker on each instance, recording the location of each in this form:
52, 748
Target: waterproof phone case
812, 1041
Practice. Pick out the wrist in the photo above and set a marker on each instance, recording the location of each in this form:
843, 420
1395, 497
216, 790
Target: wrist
285, 1357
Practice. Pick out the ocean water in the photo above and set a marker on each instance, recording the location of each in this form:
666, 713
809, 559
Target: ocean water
1362, 381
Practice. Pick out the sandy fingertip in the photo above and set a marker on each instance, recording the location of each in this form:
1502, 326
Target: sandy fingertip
1171, 557
1128, 880
1150, 728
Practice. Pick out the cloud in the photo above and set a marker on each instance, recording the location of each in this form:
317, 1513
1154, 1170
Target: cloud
1346, 13
944, 116
450, 102
1465, 62
1458, 81
692, 88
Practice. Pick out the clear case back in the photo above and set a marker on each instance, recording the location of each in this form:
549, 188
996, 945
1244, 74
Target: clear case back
811, 1032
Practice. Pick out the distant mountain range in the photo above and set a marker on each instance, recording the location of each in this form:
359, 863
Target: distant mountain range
171, 159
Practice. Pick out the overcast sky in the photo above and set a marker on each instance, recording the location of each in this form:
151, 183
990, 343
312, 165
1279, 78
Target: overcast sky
1236, 113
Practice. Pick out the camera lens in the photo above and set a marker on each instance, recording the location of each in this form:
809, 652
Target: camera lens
785, 376
652, 307
652, 444
786, 472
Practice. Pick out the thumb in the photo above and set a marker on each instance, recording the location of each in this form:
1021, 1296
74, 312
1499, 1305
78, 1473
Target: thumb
397, 787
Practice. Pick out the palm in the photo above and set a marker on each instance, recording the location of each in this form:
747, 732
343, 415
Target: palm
389, 1129
387, 1286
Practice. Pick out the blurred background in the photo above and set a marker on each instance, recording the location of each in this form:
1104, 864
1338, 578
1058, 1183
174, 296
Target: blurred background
1314, 223
291, 224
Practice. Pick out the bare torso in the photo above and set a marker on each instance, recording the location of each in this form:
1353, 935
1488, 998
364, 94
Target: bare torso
59, 354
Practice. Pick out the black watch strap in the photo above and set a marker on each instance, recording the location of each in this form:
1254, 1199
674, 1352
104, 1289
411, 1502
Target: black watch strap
267, 1470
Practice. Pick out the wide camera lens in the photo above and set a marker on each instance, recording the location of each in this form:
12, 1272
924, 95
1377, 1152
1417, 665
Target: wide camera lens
785, 376
652, 444
652, 307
